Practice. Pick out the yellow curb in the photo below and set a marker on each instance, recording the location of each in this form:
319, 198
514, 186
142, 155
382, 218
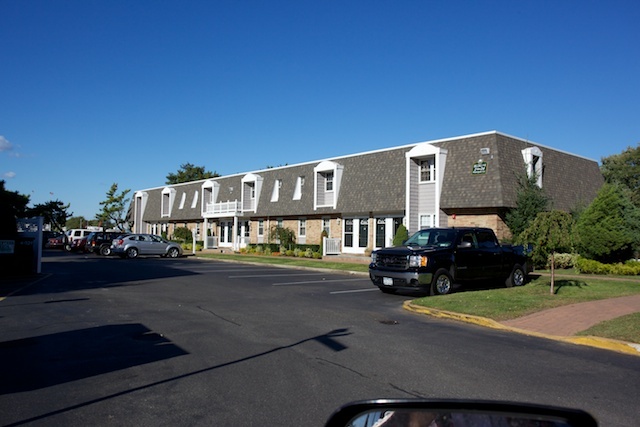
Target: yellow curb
591, 341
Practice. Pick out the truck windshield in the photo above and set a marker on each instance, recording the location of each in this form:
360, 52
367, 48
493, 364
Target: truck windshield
432, 237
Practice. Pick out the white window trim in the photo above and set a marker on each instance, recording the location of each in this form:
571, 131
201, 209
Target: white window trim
432, 170
182, 200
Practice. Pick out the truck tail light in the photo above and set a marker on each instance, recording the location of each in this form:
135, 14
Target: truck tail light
417, 261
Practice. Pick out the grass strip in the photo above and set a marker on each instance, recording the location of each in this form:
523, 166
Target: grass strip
624, 328
289, 261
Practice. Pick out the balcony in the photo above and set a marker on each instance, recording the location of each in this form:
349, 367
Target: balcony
228, 208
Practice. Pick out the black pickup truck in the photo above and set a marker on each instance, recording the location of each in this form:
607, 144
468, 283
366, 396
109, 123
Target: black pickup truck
434, 259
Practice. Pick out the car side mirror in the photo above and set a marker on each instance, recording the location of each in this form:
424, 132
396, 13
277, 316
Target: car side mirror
461, 413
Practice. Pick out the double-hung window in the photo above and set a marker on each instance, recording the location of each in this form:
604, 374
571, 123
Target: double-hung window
428, 169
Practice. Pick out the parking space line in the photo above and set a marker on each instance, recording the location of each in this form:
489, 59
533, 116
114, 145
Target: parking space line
276, 275
315, 281
352, 291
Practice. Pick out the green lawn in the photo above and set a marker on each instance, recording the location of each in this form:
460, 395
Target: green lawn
505, 303
509, 303
625, 328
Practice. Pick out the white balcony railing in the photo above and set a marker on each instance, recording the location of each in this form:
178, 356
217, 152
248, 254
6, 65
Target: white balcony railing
222, 208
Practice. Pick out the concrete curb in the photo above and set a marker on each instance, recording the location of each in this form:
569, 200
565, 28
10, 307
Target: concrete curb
591, 341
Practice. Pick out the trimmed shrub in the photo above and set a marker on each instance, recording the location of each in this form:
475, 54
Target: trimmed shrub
401, 235
589, 266
563, 261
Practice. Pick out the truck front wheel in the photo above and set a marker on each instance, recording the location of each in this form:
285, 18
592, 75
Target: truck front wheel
442, 283
516, 278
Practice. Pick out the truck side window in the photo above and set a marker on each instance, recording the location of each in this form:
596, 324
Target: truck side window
469, 238
486, 240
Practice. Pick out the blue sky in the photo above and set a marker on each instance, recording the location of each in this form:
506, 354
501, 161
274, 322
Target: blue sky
97, 92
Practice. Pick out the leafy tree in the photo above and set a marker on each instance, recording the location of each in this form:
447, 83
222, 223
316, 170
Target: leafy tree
530, 201
76, 222
54, 212
401, 235
114, 209
550, 232
189, 172
609, 229
286, 236
183, 234
624, 169
13, 205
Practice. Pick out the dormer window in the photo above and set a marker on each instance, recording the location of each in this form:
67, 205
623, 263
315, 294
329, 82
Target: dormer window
297, 192
533, 162
275, 195
168, 195
251, 186
327, 177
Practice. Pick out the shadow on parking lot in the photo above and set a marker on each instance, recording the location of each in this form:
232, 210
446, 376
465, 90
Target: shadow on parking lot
62, 272
43, 361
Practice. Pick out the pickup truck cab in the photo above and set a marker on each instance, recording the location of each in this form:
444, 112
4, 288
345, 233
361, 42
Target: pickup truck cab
434, 259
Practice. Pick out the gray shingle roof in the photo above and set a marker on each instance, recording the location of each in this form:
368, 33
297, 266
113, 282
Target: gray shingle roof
375, 181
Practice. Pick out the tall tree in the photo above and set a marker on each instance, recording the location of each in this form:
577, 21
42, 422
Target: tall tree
114, 209
550, 232
530, 201
54, 212
624, 169
609, 229
189, 172
12, 206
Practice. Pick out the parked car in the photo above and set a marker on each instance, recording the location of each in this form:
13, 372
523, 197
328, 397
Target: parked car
57, 241
144, 244
78, 245
74, 234
99, 242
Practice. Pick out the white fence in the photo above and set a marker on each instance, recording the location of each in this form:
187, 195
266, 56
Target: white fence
331, 246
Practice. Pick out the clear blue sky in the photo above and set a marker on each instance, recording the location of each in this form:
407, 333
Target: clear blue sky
101, 91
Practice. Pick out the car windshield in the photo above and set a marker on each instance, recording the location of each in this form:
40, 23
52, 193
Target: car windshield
432, 237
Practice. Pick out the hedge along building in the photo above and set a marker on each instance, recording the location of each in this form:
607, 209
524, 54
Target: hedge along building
361, 199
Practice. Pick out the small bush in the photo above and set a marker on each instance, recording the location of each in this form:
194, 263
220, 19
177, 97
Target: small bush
401, 235
563, 261
183, 234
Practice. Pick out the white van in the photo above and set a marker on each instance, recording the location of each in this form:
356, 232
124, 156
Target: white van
75, 234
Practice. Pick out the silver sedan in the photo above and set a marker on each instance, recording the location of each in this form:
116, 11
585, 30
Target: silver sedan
144, 244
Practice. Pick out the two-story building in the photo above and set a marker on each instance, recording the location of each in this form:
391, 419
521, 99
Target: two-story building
361, 199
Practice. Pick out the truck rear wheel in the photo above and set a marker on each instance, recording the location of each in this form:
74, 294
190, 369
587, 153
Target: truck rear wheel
442, 283
516, 278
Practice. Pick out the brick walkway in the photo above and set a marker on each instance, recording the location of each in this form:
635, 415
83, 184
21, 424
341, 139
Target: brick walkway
570, 319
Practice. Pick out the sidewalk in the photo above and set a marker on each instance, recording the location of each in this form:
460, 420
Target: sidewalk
560, 323
571, 319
